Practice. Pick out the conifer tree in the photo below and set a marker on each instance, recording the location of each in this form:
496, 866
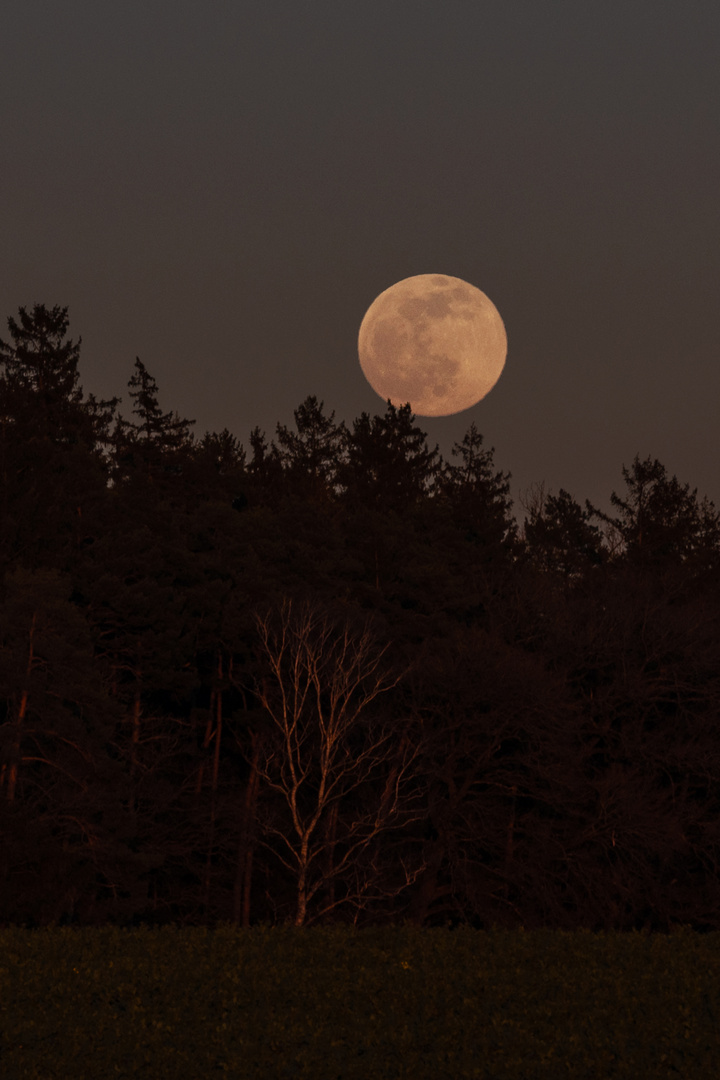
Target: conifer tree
53, 441
264, 469
478, 496
559, 536
40, 382
157, 443
389, 464
660, 521
40, 359
312, 454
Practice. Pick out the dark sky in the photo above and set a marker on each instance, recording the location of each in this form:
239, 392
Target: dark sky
222, 188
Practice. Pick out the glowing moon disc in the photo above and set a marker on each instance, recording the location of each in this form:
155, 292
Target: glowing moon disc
434, 341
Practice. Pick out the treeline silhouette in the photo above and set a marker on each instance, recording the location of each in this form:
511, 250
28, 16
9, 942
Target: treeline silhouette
333, 678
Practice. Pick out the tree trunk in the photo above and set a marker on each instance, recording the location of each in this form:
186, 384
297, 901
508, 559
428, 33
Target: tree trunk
16, 746
302, 897
510, 842
246, 845
331, 840
429, 889
136, 717
214, 787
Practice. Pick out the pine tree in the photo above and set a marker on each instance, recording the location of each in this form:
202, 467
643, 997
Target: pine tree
40, 382
560, 538
39, 359
53, 441
158, 444
476, 495
312, 455
661, 522
389, 465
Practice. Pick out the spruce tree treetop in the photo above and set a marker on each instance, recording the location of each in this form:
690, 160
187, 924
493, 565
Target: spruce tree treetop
167, 430
157, 442
40, 382
389, 463
311, 455
39, 357
477, 494
559, 536
660, 521
53, 441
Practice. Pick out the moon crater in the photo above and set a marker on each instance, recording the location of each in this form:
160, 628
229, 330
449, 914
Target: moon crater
434, 341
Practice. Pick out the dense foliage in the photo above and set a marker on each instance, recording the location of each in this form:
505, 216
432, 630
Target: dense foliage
333, 678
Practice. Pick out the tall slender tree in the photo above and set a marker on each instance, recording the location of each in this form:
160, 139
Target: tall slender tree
312, 454
53, 441
157, 443
477, 495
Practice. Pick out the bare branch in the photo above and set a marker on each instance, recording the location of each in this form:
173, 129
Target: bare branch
327, 748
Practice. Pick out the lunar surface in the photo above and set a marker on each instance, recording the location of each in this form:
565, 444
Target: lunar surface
433, 341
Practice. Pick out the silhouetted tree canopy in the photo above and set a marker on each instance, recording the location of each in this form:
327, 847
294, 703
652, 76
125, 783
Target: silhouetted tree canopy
187, 630
659, 520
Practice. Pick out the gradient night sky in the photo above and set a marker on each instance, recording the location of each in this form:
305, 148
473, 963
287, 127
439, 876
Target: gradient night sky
223, 188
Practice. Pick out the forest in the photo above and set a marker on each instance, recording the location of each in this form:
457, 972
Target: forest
334, 677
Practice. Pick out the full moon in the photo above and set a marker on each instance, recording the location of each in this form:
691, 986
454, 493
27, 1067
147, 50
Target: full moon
433, 341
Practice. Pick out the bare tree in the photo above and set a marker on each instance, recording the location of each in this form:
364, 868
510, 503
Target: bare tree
342, 771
